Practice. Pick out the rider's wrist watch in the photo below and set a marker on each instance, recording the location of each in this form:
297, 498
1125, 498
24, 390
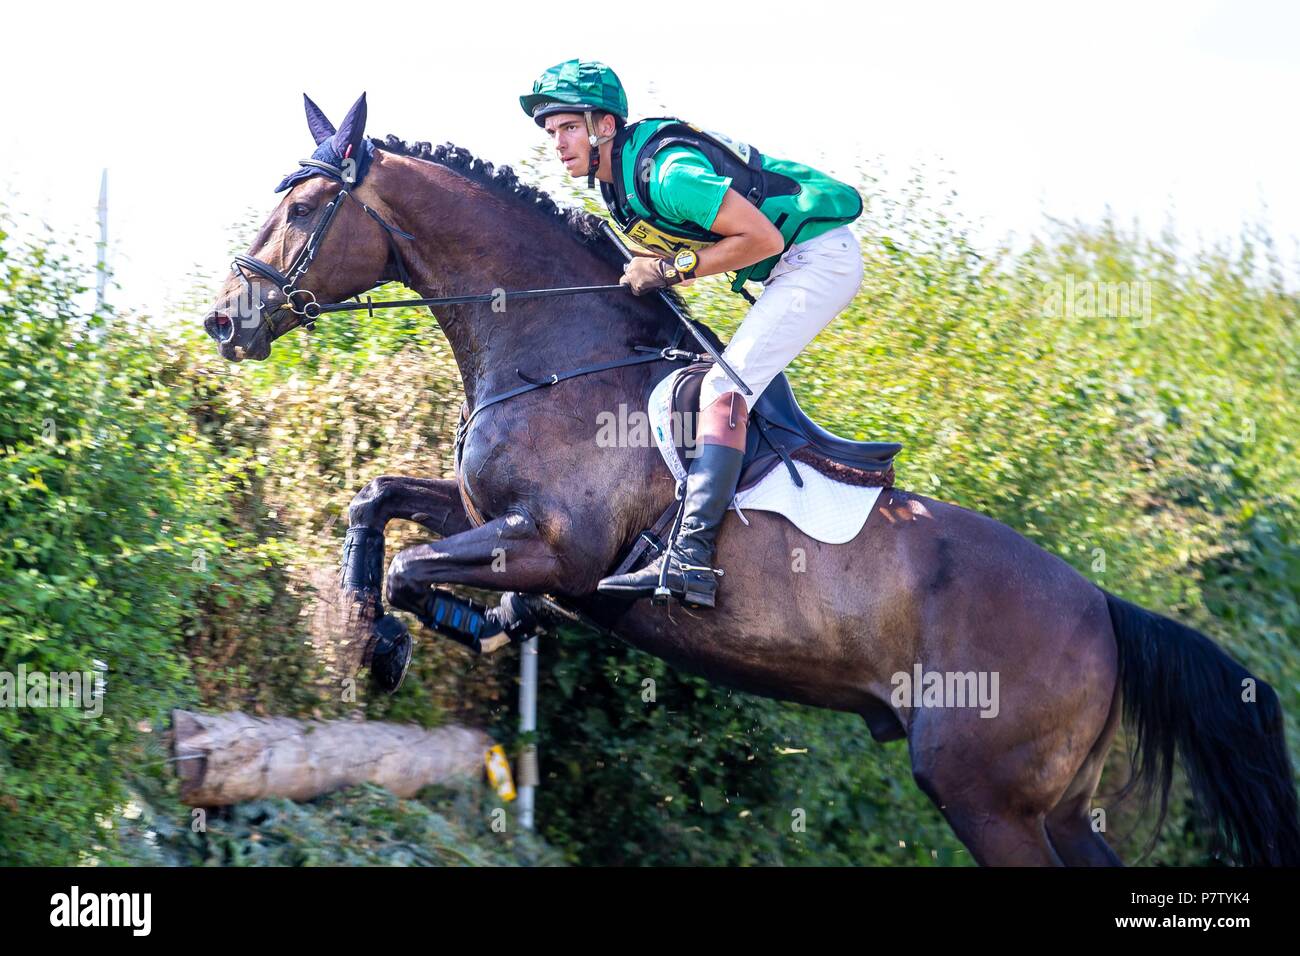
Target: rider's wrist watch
681, 268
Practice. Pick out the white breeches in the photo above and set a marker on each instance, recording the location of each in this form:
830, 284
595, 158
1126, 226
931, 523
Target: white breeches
813, 283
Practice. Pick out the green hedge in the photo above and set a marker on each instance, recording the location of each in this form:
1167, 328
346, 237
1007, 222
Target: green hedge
160, 508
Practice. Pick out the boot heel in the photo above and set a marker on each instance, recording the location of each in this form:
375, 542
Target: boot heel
700, 594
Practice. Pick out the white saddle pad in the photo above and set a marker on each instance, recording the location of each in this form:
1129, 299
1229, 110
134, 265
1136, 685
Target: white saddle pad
827, 510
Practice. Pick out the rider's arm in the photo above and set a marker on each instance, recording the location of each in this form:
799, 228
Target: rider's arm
750, 237
686, 188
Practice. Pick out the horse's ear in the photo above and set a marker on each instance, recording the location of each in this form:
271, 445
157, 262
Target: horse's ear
353, 128
321, 128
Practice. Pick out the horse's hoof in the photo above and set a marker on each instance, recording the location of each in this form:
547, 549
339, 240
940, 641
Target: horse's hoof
391, 655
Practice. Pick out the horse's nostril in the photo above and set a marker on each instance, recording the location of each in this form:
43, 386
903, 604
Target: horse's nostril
219, 326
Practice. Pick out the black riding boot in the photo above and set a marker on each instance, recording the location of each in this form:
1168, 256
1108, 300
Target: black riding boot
710, 486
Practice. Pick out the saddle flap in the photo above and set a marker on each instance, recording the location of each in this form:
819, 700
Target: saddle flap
758, 461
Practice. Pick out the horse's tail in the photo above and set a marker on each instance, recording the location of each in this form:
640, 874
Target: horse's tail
1182, 692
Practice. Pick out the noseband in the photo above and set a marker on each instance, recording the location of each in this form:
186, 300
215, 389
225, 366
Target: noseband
302, 302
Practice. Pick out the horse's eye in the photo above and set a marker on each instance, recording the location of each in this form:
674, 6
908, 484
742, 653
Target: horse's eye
299, 211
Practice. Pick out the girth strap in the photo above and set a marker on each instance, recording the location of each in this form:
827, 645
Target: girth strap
780, 450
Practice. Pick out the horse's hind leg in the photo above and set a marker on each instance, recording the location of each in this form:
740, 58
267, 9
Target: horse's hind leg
1025, 805
1078, 842
995, 833
1070, 823
1000, 838
981, 790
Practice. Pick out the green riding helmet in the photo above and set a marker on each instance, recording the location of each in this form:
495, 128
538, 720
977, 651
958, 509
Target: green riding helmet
578, 86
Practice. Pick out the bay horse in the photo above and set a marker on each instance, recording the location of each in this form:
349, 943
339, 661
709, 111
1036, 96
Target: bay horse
538, 507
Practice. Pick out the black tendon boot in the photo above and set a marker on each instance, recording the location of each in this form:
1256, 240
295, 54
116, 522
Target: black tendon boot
469, 622
388, 654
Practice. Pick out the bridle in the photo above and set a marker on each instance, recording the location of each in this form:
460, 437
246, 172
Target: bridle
302, 303
308, 310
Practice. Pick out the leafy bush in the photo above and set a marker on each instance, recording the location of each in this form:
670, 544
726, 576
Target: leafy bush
171, 514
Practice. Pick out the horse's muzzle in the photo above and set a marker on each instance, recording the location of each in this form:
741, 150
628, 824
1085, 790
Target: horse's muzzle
219, 326
225, 330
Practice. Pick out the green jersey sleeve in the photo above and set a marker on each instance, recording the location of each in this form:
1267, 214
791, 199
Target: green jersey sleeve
684, 187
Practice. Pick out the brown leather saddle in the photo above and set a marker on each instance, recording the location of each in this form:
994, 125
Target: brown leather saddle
781, 433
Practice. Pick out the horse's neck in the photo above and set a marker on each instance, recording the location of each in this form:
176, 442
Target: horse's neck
469, 241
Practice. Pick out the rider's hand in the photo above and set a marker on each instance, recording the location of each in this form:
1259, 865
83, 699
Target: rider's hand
643, 274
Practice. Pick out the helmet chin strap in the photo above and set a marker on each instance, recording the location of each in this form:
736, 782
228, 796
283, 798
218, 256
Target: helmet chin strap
593, 159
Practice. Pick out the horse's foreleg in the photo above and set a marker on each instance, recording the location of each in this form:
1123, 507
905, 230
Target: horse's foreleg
435, 504
505, 554
432, 502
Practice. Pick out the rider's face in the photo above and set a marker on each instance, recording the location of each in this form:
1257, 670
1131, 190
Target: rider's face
568, 133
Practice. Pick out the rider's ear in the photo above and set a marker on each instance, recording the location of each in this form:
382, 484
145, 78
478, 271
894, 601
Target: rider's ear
321, 128
352, 130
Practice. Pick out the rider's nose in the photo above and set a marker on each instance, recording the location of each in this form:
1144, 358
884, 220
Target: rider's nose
219, 326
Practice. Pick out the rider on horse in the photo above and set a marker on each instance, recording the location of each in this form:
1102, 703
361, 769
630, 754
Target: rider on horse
705, 204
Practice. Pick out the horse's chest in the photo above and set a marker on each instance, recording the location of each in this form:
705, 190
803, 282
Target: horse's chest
506, 460
489, 468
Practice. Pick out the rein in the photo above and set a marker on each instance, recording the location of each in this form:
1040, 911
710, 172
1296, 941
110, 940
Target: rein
305, 309
302, 303
369, 305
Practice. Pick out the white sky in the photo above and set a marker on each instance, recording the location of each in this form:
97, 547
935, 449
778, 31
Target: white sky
1185, 109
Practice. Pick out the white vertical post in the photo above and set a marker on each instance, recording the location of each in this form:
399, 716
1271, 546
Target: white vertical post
101, 247
528, 774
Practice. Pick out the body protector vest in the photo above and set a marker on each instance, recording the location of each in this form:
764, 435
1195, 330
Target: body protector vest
799, 201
